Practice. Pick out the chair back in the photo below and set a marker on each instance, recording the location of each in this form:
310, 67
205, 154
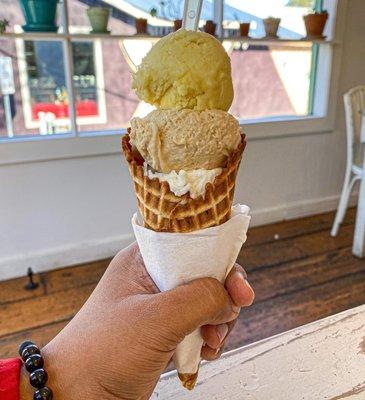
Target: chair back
354, 101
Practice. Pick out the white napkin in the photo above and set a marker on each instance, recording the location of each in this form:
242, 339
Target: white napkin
173, 259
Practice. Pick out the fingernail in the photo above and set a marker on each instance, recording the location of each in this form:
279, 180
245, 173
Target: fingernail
242, 273
236, 309
222, 331
239, 275
243, 278
248, 284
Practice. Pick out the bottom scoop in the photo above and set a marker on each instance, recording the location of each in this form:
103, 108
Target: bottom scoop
164, 211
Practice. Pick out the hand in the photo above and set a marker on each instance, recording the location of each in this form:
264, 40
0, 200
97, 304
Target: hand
119, 343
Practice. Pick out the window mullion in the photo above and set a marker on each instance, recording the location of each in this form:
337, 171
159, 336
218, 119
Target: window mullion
314, 63
69, 71
218, 16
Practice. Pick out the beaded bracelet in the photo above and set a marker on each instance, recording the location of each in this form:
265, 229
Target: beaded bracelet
33, 362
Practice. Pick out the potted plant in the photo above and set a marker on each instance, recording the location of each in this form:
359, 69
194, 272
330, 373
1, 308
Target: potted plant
315, 23
4, 23
271, 25
170, 12
141, 26
244, 28
39, 15
177, 24
210, 27
98, 17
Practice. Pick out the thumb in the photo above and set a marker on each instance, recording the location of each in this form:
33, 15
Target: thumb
200, 302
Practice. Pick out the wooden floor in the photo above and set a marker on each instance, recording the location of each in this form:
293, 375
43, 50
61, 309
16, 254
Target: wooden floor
299, 273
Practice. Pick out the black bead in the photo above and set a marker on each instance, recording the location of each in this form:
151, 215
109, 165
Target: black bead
29, 350
43, 394
38, 378
33, 362
23, 346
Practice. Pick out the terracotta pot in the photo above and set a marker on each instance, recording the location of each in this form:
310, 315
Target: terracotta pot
244, 29
210, 27
271, 26
315, 23
141, 25
177, 24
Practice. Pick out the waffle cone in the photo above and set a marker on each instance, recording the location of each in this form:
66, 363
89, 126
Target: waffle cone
188, 380
163, 211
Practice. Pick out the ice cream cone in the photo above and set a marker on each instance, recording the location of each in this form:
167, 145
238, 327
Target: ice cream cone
188, 380
163, 211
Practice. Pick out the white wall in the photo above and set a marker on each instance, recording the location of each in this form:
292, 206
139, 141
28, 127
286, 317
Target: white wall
57, 213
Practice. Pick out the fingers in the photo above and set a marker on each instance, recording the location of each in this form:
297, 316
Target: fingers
242, 295
238, 287
201, 302
215, 335
210, 354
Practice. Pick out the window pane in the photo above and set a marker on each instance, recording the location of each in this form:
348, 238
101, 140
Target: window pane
271, 81
10, 10
105, 99
39, 102
290, 11
84, 79
159, 15
79, 21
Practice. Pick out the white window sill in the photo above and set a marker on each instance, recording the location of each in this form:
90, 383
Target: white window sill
56, 147
278, 127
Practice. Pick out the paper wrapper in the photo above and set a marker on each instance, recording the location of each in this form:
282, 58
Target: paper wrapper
173, 259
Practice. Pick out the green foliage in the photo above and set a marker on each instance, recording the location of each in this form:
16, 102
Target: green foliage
167, 9
3, 24
153, 12
301, 3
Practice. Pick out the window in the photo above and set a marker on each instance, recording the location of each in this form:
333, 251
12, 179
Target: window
73, 83
44, 90
271, 80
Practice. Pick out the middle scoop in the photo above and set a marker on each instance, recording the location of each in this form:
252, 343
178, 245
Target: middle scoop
185, 139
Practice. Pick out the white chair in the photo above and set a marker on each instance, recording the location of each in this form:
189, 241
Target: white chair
354, 110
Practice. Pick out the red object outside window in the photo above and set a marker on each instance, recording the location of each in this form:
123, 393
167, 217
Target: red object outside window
84, 108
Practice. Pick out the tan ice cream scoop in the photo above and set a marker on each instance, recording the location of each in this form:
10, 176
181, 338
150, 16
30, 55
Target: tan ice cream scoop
185, 139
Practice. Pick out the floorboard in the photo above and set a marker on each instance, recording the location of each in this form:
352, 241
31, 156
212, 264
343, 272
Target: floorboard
299, 274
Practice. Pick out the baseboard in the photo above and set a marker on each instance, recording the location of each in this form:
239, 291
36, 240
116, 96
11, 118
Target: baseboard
297, 209
59, 257
78, 253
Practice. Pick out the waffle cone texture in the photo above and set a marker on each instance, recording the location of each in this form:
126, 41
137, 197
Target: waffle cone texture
163, 211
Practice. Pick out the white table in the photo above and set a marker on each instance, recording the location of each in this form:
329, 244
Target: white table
321, 360
358, 247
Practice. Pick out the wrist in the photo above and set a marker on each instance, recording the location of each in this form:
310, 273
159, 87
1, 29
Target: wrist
55, 375
33, 378
26, 391
65, 377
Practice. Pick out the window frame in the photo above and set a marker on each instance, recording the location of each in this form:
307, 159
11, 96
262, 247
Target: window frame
25, 91
85, 144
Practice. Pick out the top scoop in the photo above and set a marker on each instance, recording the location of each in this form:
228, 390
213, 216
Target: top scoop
186, 69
